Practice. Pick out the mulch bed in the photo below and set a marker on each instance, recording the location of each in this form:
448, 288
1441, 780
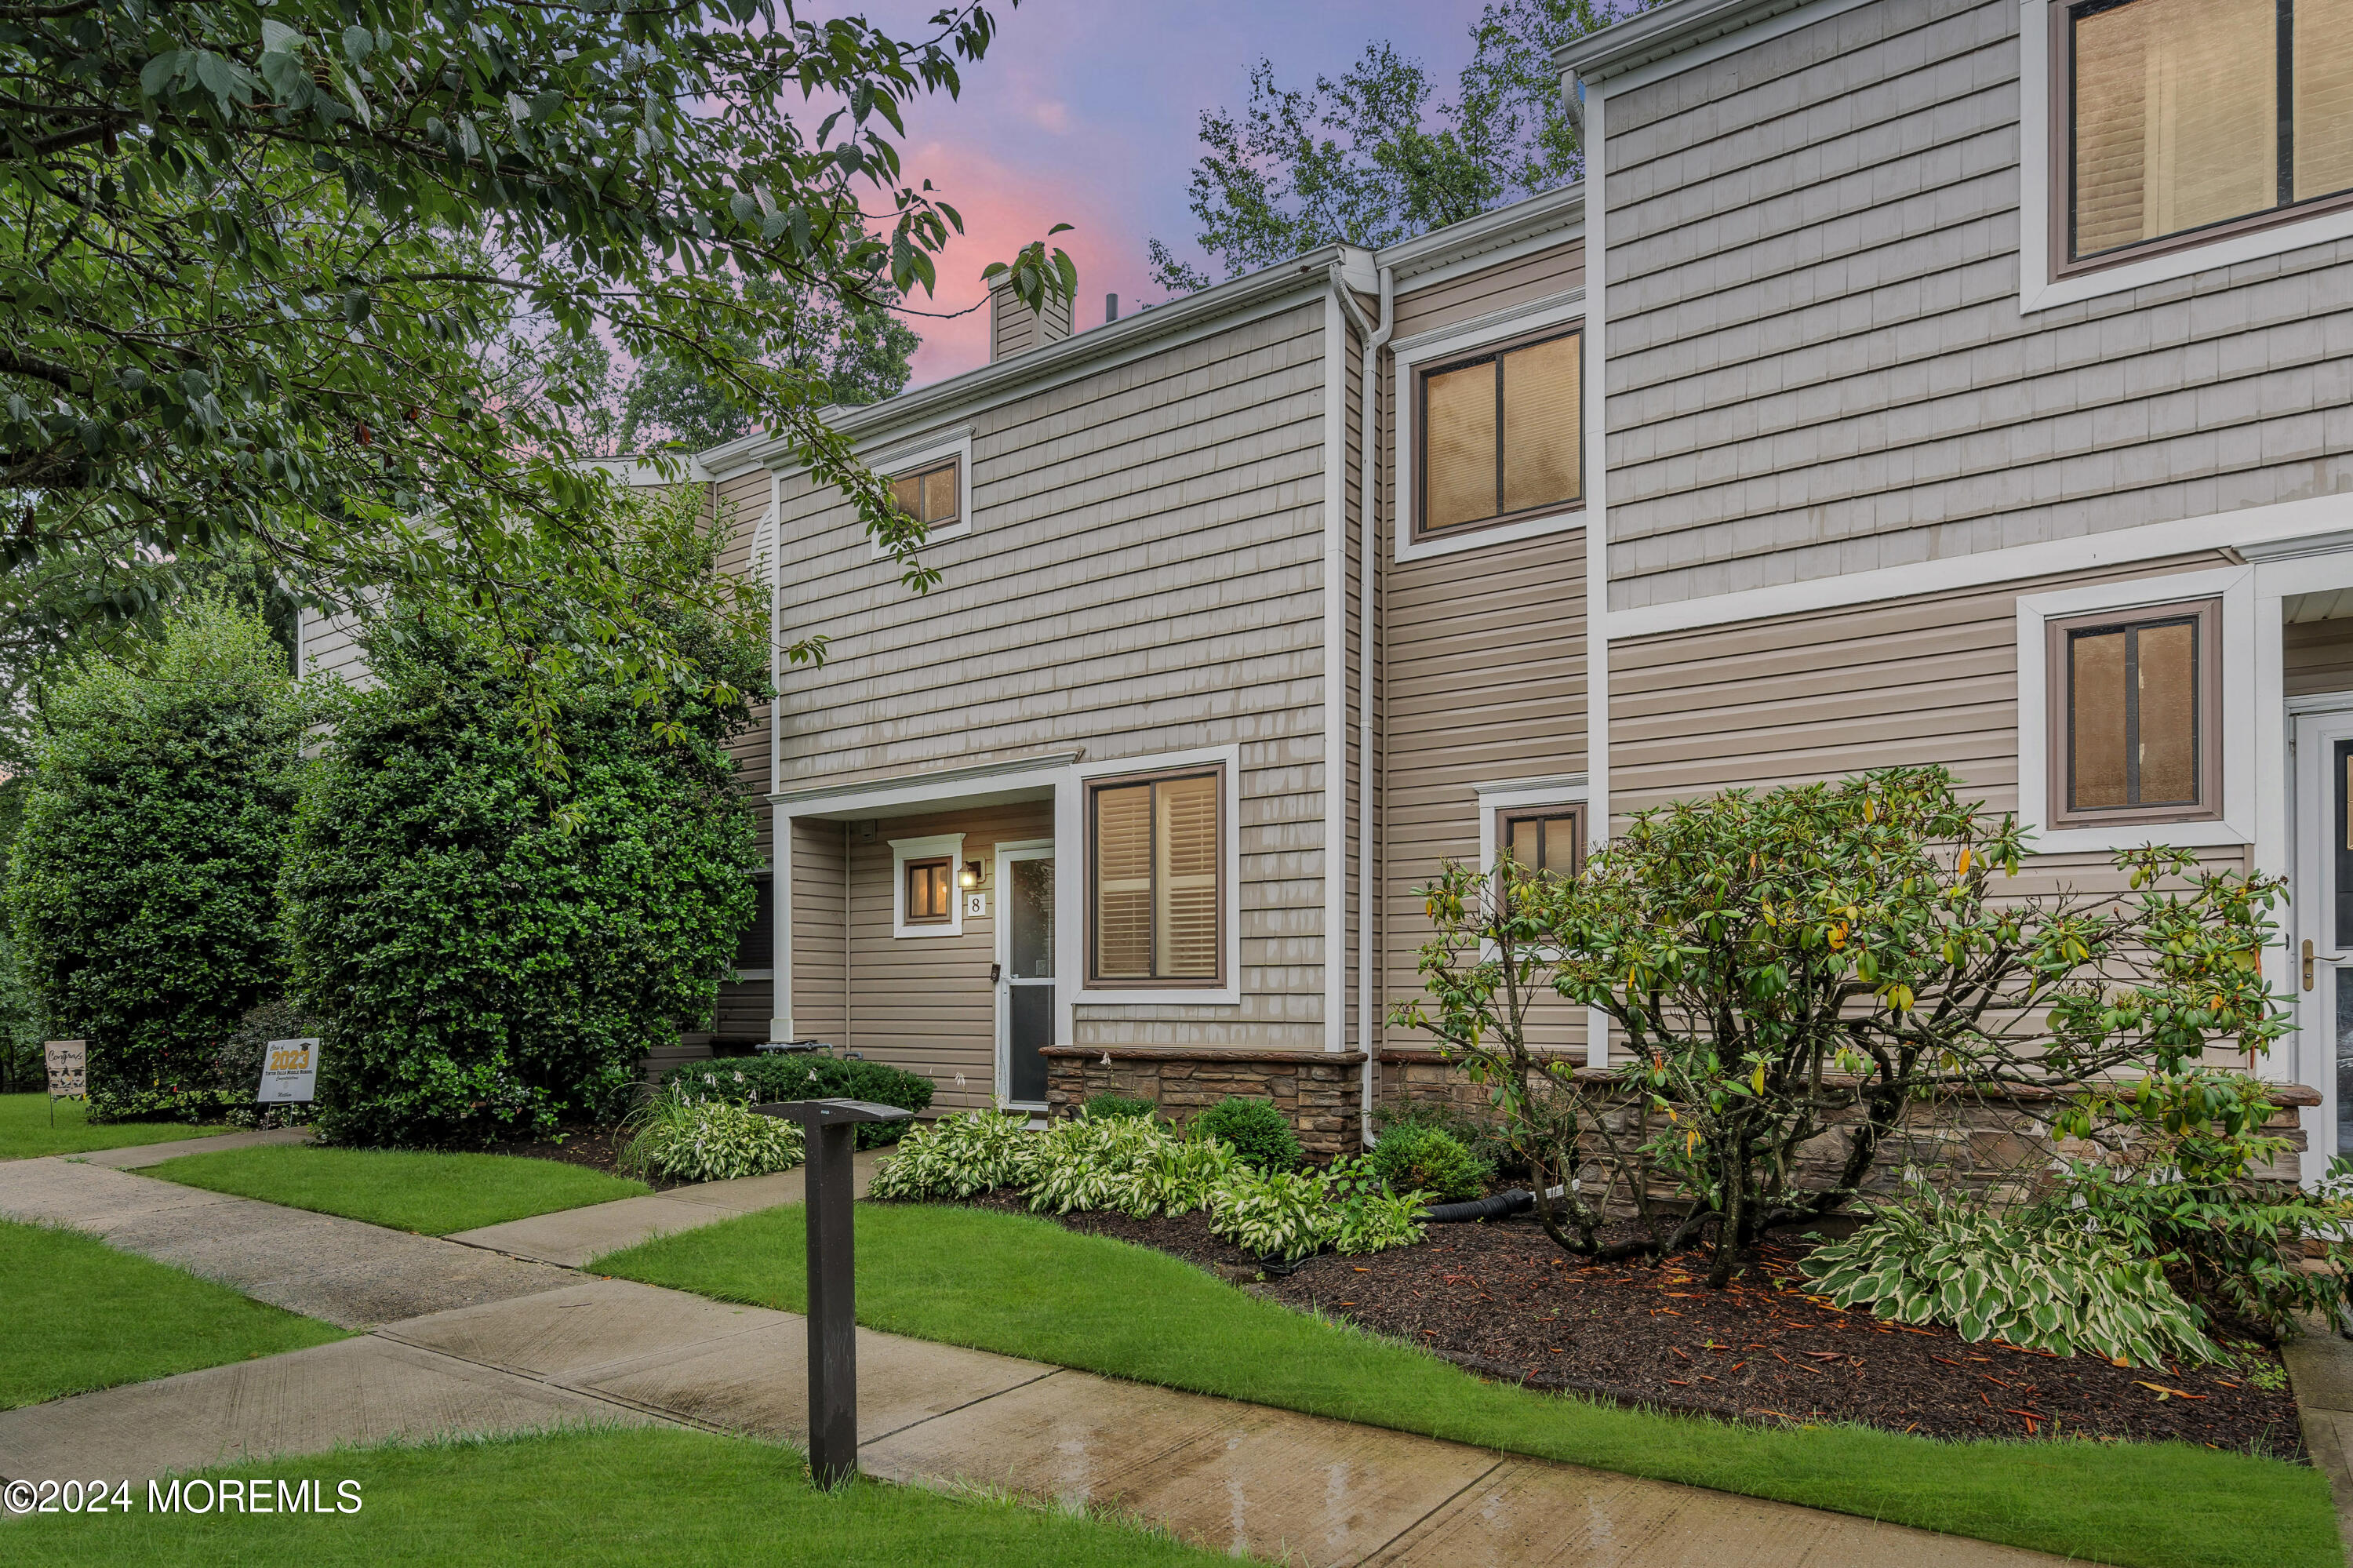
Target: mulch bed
597, 1148
1501, 1301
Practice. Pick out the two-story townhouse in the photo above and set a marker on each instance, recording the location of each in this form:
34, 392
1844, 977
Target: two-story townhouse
1119, 787
1967, 382
1115, 802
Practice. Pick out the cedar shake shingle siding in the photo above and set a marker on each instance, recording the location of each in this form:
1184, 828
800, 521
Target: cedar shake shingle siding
1817, 363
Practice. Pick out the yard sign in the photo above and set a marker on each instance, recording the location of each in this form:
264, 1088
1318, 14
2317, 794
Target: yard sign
290, 1073
68, 1063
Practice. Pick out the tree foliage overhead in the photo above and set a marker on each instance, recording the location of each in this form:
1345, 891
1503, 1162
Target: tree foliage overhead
256, 252
1377, 156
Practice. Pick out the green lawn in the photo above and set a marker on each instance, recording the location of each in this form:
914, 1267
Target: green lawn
1028, 1288
80, 1315
25, 1131
408, 1190
643, 1496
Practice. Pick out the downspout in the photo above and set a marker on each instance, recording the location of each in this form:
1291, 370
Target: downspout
1373, 338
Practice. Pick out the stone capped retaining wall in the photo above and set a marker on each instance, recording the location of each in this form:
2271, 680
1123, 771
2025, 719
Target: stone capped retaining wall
1318, 1090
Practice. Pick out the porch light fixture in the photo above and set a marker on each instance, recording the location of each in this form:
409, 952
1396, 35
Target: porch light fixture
969, 877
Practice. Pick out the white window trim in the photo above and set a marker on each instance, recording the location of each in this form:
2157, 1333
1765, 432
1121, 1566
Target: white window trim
899, 460
2235, 586
1520, 795
1070, 947
2037, 290
1469, 337
931, 848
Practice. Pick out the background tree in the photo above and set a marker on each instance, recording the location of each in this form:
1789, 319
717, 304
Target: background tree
143, 878
1375, 157
258, 251
491, 949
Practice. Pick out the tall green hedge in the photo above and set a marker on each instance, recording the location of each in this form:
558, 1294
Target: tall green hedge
142, 883
490, 946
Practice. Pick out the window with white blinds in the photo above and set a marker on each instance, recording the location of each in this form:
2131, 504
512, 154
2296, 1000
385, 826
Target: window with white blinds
2188, 115
1157, 855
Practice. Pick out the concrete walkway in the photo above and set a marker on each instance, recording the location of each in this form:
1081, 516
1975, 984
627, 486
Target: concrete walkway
558, 1347
2320, 1365
139, 1156
572, 1236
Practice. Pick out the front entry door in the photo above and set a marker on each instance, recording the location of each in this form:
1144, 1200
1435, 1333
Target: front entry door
1024, 959
2322, 920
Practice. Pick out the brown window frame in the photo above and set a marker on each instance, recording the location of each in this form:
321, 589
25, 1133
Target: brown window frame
2064, 263
1491, 353
1091, 868
1572, 809
945, 865
2059, 703
954, 465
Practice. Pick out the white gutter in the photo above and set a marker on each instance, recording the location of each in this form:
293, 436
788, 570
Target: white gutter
1373, 337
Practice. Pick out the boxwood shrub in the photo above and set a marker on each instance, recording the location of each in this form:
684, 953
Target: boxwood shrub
1260, 1133
752, 1080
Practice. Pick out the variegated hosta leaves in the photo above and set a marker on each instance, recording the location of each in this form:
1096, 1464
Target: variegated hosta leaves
710, 1140
1367, 1216
1134, 1164
1274, 1214
957, 1156
2043, 1288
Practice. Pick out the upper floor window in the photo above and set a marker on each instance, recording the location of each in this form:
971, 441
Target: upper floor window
2134, 710
2190, 119
933, 495
1501, 436
1154, 849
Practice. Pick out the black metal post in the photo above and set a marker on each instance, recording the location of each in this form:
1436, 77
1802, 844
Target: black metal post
831, 1138
832, 1305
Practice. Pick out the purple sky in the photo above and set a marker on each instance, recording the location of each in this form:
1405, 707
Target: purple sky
1087, 113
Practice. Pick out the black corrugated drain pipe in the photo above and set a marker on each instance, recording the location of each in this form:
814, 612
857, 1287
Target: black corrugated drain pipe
1512, 1200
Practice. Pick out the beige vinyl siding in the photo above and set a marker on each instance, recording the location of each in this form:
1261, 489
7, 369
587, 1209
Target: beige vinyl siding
741, 501
924, 1003
331, 649
820, 929
1802, 697
1482, 663
1817, 361
2316, 656
1144, 574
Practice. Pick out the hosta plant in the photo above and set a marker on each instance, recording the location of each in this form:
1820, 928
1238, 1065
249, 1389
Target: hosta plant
1367, 1215
1274, 1214
2044, 1288
958, 1156
710, 1140
1086, 1163
1185, 1174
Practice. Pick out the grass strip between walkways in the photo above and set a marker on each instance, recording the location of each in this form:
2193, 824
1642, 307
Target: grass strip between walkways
1028, 1288
410, 1190
645, 1495
26, 1132
78, 1315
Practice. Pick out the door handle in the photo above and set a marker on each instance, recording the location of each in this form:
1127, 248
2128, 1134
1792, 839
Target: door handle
996, 971
2307, 963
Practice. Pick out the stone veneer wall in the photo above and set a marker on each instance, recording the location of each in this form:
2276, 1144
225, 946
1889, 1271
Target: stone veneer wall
1318, 1090
1995, 1144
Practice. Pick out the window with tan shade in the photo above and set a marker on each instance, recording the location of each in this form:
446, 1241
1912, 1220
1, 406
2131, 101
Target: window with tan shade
2176, 124
2134, 715
1548, 838
1500, 435
932, 496
930, 884
1156, 849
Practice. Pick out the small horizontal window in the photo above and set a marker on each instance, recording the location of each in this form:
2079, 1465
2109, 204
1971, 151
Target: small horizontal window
932, 496
1549, 838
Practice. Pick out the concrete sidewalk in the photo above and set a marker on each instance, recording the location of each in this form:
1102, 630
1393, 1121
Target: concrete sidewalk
139, 1156
539, 1346
573, 1236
